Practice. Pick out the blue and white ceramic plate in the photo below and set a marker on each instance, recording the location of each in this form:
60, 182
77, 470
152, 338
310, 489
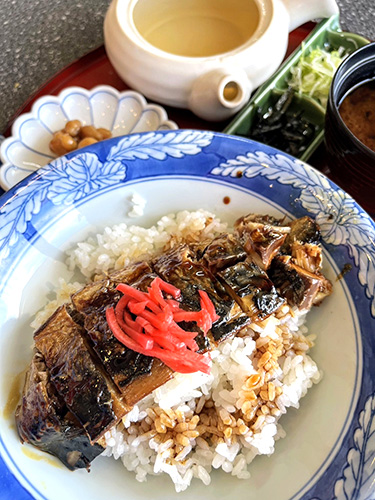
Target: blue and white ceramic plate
329, 449
120, 112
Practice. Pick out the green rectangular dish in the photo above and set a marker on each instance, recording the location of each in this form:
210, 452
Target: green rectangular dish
326, 34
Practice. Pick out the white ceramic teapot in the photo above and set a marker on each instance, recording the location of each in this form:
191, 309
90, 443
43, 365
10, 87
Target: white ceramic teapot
205, 55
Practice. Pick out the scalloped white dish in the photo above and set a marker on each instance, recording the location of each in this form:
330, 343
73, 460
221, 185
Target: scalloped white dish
122, 113
328, 450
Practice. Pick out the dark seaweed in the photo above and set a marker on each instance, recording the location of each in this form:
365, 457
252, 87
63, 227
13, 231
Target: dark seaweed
283, 129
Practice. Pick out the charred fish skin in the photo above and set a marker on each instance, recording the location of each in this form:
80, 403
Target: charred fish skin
42, 420
79, 382
244, 281
303, 230
231, 317
104, 292
74, 449
177, 268
297, 271
252, 289
300, 287
265, 219
122, 364
223, 251
229, 324
262, 237
291, 255
181, 268
134, 374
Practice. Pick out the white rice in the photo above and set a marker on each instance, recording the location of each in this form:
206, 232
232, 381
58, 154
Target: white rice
232, 363
148, 452
117, 246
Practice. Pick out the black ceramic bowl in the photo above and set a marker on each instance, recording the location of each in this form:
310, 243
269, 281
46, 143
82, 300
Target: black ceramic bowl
351, 162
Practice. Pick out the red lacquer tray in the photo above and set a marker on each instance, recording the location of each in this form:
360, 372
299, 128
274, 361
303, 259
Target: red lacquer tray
95, 69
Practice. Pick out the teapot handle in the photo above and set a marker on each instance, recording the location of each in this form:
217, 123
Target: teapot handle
302, 11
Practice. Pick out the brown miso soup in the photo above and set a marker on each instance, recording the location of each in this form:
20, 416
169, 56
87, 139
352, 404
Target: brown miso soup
357, 109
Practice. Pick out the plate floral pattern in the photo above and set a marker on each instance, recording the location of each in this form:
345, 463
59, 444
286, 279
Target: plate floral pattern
348, 234
121, 112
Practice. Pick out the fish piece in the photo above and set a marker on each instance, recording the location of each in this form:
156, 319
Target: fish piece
104, 291
304, 230
307, 255
177, 267
43, 420
251, 288
121, 363
299, 286
223, 251
180, 268
325, 289
262, 237
265, 219
144, 384
90, 380
83, 386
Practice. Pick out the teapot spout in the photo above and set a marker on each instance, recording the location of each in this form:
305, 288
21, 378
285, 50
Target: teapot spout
219, 94
300, 11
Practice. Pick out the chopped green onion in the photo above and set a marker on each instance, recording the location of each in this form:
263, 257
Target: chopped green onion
313, 73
